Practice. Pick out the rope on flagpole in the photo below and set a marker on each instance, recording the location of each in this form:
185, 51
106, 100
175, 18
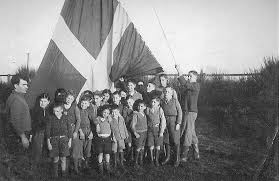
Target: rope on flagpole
164, 35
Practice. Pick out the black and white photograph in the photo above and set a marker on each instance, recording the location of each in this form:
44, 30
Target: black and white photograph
133, 90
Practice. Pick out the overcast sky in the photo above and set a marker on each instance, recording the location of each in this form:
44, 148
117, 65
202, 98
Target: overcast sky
229, 36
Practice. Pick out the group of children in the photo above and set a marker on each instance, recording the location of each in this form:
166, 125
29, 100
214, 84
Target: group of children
125, 124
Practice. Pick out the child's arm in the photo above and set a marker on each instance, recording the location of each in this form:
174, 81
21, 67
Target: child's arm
133, 125
69, 131
125, 128
163, 122
78, 120
90, 136
49, 146
81, 134
179, 115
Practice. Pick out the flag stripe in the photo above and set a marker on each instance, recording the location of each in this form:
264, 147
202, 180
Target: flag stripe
55, 71
102, 67
90, 21
132, 57
72, 49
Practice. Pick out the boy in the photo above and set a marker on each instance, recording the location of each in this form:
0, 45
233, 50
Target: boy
128, 116
106, 93
131, 90
73, 115
120, 133
85, 133
150, 93
103, 139
116, 99
59, 138
156, 122
190, 112
139, 129
164, 82
173, 114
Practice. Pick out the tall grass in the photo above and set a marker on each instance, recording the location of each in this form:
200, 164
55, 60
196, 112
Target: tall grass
245, 107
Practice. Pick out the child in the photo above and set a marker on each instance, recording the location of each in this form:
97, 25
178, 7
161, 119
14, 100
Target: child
116, 99
164, 82
131, 90
106, 95
139, 129
40, 117
128, 116
59, 138
97, 102
150, 93
190, 111
156, 122
85, 133
73, 116
173, 114
103, 139
123, 95
120, 133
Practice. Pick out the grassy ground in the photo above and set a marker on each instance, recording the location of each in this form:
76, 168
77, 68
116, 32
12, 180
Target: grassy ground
222, 159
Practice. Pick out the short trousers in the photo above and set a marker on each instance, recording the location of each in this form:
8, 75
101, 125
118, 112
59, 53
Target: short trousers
60, 147
140, 142
103, 145
153, 138
119, 145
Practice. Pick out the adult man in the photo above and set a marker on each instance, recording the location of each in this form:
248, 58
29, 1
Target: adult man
19, 119
190, 93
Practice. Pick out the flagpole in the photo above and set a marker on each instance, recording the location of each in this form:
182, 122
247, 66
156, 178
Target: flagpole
164, 35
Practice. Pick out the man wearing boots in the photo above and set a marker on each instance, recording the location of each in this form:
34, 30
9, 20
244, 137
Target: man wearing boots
189, 100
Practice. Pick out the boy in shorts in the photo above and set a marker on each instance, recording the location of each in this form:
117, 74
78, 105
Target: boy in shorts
156, 122
104, 139
59, 138
120, 133
139, 129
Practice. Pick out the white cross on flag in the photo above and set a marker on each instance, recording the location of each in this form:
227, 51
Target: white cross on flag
93, 45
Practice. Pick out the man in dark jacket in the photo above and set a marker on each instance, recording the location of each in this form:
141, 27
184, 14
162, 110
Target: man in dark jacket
18, 113
190, 92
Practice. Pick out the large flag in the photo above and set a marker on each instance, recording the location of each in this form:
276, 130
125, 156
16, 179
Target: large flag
93, 45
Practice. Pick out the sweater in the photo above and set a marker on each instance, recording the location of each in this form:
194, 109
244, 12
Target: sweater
58, 127
119, 128
40, 117
73, 116
139, 122
105, 125
18, 112
172, 108
190, 94
156, 118
84, 121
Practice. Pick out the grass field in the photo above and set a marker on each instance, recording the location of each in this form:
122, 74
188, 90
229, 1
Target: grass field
222, 158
